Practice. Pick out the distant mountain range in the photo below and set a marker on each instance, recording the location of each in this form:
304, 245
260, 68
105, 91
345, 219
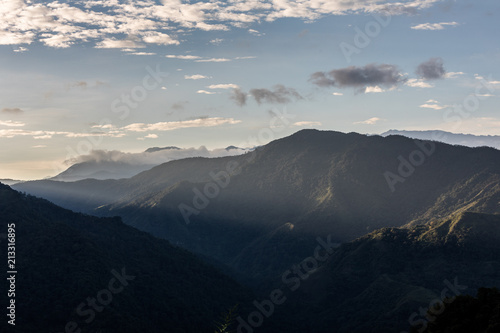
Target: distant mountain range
104, 165
468, 140
10, 181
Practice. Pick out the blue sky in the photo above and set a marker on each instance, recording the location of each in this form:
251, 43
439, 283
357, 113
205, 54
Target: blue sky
67, 67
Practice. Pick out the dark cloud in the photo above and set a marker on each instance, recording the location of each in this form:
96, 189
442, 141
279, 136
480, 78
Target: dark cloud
179, 106
360, 77
239, 96
279, 94
431, 69
12, 110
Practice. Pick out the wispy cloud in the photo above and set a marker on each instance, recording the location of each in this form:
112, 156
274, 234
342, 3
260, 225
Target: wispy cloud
173, 125
223, 86
433, 104
307, 123
10, 123
206, 92
195, 77
371, 121
434, 26
418, 83
12, 110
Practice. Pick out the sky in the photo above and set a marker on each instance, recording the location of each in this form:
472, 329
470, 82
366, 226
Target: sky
84, 76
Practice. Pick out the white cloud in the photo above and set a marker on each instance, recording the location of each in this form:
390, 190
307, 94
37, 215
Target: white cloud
371, 121
216, 41
337, 94
10, 123
142, 53
63, 24
418, 83
452, 75
173, 125
21, 49
223, 86
155, 37
434, 26
183, 57
206, 92
255, 32
375, 89
195, 77
433, 104
307, 123
213, 60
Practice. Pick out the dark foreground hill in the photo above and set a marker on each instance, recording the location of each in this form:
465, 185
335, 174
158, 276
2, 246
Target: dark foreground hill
77, 272
261, 211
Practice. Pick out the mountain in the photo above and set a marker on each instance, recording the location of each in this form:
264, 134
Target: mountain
470, 314
104, 165
468, 140
101, 170
10, 181
282, 196
77, 271
387, 280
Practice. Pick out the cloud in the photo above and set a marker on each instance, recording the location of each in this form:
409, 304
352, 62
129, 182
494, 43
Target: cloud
12, 110
216, 41
431, 69
375, 89
61, 24
151, 136
173, 125
337, 94
183, 57
279, 94
239, 96
307, 123
21, 49
452, 75
179, 106
206, 92
361, 78
223, 86
255, 32
418, 83
153, 158
213, 60
10, 123
434, 26
155, 37
195, 77
142, 53
371, 121
433, 104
